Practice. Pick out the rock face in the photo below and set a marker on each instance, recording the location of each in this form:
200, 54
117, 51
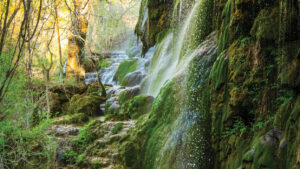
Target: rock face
154, 19
241, 104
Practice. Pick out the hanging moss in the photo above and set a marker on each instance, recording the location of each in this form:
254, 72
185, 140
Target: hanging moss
219, 72
224, 32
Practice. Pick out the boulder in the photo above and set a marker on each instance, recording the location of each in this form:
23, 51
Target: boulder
87, 104
133, 78
128, 94
138, 106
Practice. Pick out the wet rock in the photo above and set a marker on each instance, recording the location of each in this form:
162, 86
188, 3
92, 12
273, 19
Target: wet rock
133, 79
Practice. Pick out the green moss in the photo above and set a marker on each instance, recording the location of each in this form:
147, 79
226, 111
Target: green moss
127, 66
161, 35
266, 24
78, 118
138, 106
117, 128
289, 64
93, 89
126, 95
155, 14
293, 137
87, 135
129, 153
82, 160
203, 25
138, 27
225, 27
69, 157
141, 147
88, 104
219, 72
97, 165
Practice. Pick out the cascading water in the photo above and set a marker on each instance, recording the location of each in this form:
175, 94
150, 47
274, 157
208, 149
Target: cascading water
183, 141
168, 58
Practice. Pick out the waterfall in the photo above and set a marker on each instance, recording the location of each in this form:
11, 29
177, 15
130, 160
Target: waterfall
169, 59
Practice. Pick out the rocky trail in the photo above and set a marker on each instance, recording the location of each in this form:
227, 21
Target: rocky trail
103, 151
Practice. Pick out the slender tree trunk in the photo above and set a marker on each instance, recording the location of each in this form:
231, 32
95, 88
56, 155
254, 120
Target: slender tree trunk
103, 92
58, 36
47, 77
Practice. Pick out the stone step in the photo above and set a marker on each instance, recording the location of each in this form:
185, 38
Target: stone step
104, 161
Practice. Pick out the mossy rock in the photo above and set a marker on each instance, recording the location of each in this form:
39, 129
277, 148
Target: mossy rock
69, 89
78, 118
266, 24
138, 106
88, 104
93, 89
127, 66
87, 135
128, 153
128, 94
55, 102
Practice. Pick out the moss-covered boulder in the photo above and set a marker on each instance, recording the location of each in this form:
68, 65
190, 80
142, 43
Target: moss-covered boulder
128, 94
128, 154
87, 104
138, 106
127, 66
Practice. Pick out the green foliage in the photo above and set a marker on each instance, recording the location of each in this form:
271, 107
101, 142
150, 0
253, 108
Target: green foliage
239, 127
97, 165
285, 96
26, 148
117, 128
261, 124
245, 42
69, 157
87, 135
104, 63
127, 66
82, 160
